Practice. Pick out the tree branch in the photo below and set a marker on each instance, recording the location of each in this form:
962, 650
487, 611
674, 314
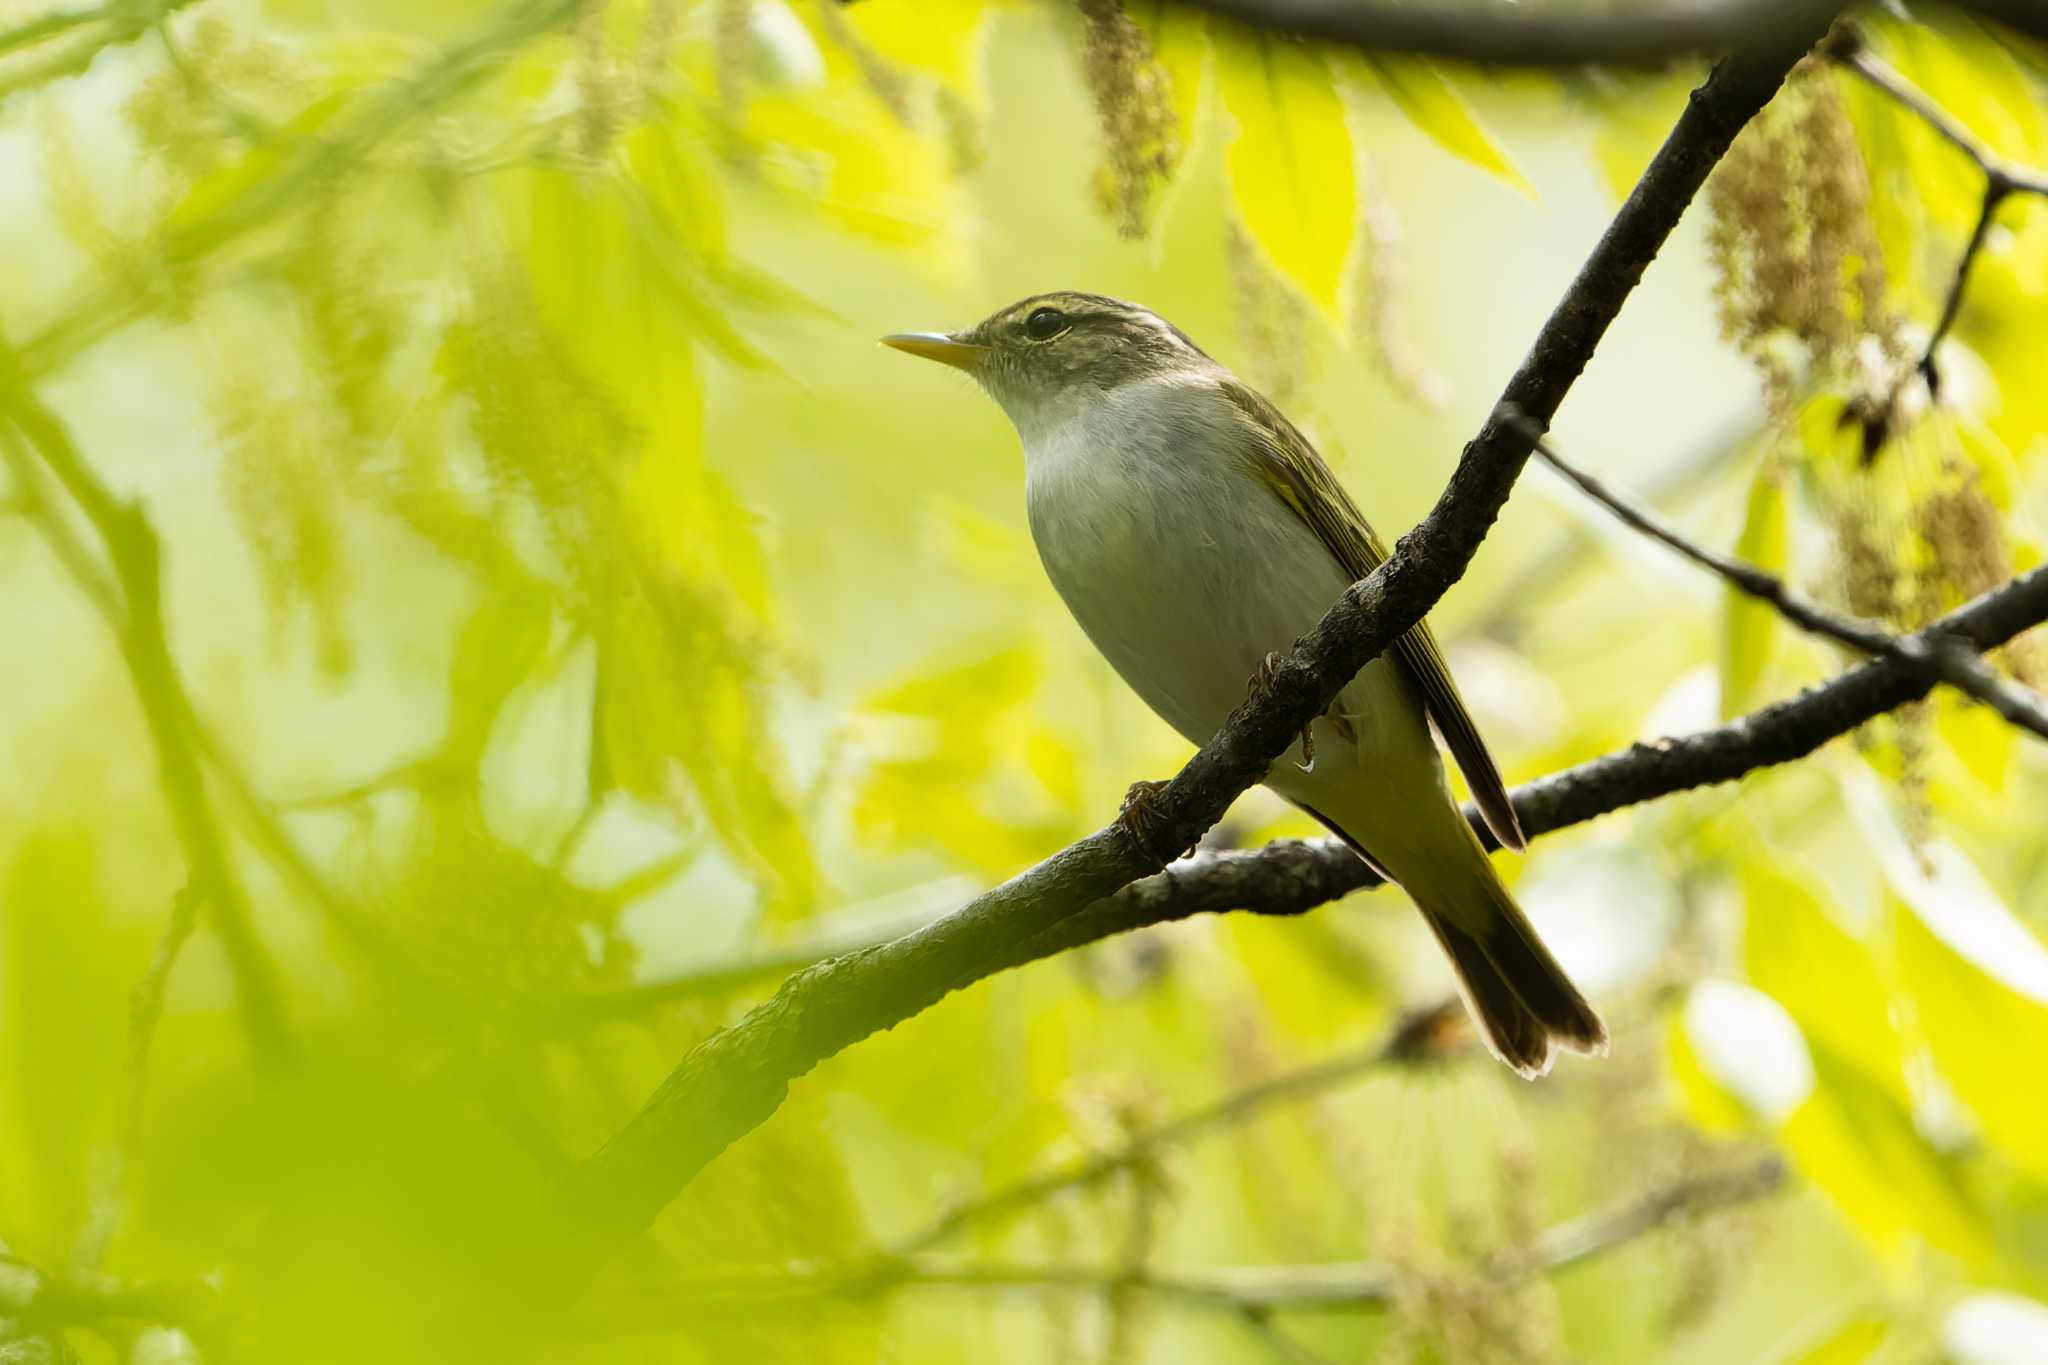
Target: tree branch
1955, 663
1650, 34
1344, 1287
1294, 876
2002, 178
133, 549
1417, 1037
1550, 570
36, 1300
737, 1077
304, 175
121, 21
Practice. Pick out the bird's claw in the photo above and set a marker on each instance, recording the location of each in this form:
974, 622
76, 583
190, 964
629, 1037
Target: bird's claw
1268, 666
1137, 819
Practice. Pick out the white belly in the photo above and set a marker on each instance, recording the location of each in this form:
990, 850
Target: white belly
1185, 572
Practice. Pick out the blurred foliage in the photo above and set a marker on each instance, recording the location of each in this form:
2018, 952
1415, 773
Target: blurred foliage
569, 597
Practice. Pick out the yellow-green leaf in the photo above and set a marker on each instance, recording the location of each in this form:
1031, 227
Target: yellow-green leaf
1861, 1149
1290, 164
1979, 982
1633, 127
1749, 627
1434, 105
1851, 1343
1795, 952
942, 41
214, 194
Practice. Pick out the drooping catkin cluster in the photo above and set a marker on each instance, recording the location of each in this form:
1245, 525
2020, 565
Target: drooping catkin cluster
1375, 285
1802, 280
281, 489
1133, 98
1271, 318
191, 113
911, 99
549, 435
1803, 293
885, 81
619, 73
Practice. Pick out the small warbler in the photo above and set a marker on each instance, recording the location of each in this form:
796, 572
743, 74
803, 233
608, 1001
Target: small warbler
1192, 530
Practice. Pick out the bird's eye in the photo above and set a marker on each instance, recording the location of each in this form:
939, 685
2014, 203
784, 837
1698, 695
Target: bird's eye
1045, 323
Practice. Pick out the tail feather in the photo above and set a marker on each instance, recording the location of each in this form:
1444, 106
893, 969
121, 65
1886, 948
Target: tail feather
1524, 1003
1513, 1032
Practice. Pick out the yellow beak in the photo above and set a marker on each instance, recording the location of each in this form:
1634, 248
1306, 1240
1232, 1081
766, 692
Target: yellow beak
961, 355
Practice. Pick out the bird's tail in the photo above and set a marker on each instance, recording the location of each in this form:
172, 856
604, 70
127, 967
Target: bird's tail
1525, 1004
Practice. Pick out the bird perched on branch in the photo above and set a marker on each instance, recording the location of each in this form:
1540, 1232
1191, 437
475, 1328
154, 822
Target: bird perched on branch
1192, 530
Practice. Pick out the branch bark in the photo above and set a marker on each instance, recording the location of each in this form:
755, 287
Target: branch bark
736, 1078
1954, 662
1549, 35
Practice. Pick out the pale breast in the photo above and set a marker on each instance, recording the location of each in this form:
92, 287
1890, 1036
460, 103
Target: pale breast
1183, 570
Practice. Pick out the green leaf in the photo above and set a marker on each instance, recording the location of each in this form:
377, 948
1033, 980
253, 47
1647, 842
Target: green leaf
1977, 977
1824, 976
1749, 627
234, 184
959, 766
944, 42
1852, 1343
1434, 105
1860, 1147
1979, 983
1290, 165
1633, 126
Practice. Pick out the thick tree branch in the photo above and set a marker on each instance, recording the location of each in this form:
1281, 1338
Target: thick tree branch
1654, 33
1953, 661
738, 1076
2002, 178
1294, 876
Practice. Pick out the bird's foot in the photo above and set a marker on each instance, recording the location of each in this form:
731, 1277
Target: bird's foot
1268, 666
1137, 819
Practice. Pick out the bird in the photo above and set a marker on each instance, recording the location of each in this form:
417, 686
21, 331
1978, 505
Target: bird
1193, 532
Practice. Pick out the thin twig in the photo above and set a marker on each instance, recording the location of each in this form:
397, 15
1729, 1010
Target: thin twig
120, 21
1414, 1039
2002, 178
146, 1009
33, 31
1342, 1287
1952, 661
35, 1300
133, 550
305, 175
1549, 570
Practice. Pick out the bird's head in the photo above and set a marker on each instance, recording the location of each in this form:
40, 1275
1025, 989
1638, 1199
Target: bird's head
1052, 353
